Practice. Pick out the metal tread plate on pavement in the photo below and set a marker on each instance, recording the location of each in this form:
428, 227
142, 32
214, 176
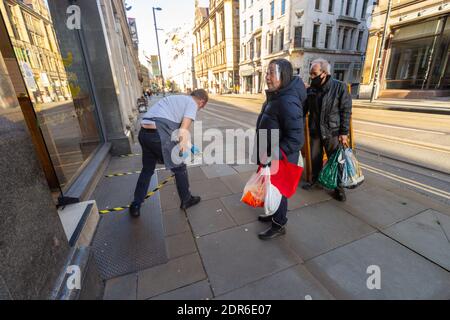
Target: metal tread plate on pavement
123, 244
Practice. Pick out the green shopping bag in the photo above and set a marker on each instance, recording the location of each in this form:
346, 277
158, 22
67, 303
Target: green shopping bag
329, 174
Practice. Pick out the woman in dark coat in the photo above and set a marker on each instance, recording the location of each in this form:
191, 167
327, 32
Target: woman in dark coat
283, 111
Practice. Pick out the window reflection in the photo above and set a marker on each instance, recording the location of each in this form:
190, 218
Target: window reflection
420, 56
65, 111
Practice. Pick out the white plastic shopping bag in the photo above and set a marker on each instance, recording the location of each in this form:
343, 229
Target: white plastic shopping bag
272, 200
255, 189
300, 160
259, 192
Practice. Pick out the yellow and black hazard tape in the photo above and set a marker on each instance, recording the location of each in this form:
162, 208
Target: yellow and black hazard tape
150, 194
129, 155
121, 174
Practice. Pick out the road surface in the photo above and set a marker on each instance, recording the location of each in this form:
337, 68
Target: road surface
410, 149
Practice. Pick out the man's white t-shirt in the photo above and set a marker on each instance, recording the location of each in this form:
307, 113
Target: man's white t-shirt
173, 108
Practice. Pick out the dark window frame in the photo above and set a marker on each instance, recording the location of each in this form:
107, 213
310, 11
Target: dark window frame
316, 36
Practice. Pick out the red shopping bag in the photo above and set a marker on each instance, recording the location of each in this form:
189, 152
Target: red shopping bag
285, 176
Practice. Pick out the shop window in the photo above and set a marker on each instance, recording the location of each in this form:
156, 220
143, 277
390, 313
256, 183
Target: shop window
61, 98
440, 74
420, 57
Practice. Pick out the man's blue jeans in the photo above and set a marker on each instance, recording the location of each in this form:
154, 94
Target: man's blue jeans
151, 155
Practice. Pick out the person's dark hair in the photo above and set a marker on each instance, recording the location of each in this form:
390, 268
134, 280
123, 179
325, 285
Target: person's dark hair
201, 94
286, 71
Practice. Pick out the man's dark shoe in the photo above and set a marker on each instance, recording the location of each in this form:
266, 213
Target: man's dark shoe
191, 202
272, 232
265, 218
135, 211
339, 195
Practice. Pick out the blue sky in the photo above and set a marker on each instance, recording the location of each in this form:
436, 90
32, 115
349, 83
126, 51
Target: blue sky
173, 14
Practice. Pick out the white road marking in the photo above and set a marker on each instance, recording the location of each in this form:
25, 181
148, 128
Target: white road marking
389, 138
407, 181
391, 176
228, 119
398, 127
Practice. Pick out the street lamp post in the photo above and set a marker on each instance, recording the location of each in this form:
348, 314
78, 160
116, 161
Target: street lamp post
376, 80
159, 53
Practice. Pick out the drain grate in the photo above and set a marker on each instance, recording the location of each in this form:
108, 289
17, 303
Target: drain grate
123, 244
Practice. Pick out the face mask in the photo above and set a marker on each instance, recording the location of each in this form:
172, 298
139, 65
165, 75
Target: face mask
316, 82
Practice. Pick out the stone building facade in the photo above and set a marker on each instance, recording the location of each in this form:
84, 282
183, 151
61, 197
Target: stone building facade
216, 48
302, 31
179, 43
34, 41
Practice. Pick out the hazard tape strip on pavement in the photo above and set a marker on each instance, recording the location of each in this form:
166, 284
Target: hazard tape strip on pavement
149, 195
121, 174
129, 155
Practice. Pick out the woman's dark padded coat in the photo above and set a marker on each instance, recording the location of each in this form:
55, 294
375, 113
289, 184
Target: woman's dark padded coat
283, 110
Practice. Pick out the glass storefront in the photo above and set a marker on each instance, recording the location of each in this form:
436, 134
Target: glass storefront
57, 84
420, 56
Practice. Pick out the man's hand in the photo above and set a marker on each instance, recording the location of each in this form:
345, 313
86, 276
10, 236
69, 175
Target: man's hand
184, 136
344, 140
183, 148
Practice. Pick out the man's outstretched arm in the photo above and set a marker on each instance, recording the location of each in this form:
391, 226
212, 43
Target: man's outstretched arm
184, 134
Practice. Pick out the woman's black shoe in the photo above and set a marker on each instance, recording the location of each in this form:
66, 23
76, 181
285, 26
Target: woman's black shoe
191, 202
272, 232
265, 218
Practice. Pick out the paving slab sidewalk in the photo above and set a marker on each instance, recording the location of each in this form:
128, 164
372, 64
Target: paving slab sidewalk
329, 252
